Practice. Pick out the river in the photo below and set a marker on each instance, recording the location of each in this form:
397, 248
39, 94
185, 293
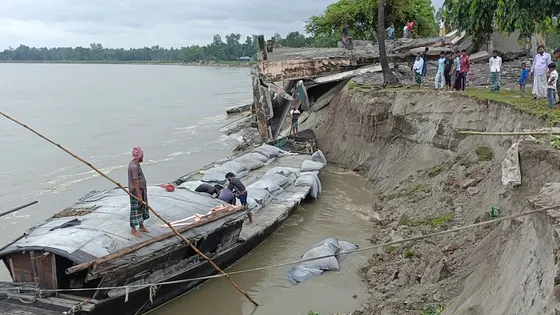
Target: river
173, 112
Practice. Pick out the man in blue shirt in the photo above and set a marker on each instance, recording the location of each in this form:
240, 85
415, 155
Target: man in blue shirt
225, 194
390, 32
439, 75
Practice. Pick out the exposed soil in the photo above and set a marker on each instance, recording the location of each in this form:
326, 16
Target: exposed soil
431, 179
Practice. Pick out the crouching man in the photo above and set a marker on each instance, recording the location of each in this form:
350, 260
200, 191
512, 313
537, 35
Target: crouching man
224, 194
240, 192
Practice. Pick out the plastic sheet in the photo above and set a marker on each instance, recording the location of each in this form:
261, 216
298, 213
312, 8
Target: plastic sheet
319, 157
191, 185
252, 160
309, 166
312, 180
269, 151
306, 270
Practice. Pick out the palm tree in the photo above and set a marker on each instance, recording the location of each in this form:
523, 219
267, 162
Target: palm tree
388, 76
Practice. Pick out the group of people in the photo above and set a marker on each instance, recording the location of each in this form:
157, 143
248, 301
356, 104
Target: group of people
450, 69
543, 71
137, 186
409, 28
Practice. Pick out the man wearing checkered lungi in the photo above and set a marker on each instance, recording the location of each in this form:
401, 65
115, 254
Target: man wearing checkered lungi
137, 186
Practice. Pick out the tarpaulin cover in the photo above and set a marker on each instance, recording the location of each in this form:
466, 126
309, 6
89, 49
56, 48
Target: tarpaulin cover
306, 270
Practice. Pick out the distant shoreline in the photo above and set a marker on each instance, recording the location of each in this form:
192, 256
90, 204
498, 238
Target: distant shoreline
237, 64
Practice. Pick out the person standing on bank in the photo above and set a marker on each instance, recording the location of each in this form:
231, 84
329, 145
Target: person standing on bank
495, 72
417, 68
295, 122
442, 28
447, 70
137, 186
425, 58
439, 75
552, 79
238, 189
538, 71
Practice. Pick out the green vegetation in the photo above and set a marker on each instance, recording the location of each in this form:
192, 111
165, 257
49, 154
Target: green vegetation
409, 253
479, 18
434, 171
228, 51
441, 220
312, 313
512, 97
404, 193
361, 17
484, 153
388, 249
434, 310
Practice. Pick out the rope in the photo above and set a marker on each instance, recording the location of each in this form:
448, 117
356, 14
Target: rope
367, 248
142, 202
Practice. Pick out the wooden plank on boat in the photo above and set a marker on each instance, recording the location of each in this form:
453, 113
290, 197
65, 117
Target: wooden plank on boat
18, 309
127, 250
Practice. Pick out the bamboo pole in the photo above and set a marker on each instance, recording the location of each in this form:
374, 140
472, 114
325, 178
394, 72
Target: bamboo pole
140, 201
518, 133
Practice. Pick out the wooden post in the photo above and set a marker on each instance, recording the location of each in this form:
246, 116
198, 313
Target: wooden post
259, 102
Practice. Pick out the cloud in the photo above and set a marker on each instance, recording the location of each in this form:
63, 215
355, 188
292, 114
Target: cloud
138, 23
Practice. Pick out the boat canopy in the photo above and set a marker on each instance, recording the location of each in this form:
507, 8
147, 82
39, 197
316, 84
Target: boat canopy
98, 224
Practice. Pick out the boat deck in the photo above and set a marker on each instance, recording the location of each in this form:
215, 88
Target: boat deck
281, 205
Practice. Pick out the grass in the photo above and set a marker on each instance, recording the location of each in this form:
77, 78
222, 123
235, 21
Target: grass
409, 253
434, 222
388, 249
407, 192
434, 171
433, 310
484, 153
512, 97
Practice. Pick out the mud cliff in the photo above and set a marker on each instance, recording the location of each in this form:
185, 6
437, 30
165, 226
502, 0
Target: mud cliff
431, 179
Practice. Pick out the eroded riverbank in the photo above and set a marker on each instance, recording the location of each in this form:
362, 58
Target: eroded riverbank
341, 212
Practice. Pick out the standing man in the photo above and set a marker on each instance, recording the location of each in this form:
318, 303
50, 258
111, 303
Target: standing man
439, 75
557, 56
538, 71
410, 28
239, 191
464, 70
457, 84
447, 70
295, 113
137, 186
425, 58
390, 32
417, 68
495, 71
442, 28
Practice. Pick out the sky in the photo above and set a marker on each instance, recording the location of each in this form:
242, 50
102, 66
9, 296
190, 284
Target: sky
139, 23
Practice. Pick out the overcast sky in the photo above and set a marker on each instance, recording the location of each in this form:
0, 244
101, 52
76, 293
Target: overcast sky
138, 23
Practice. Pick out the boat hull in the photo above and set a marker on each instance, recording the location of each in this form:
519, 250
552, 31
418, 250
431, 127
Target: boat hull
139, 302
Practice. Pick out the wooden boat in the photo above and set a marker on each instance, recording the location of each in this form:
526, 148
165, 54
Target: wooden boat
83, 260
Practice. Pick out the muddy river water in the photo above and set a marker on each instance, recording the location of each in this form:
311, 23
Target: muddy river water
177, 113
340, 212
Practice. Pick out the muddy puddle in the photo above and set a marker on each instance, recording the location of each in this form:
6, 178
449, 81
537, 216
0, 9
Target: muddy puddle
341, 212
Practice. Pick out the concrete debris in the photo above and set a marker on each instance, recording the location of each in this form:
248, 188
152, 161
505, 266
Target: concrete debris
481, 56
471, 182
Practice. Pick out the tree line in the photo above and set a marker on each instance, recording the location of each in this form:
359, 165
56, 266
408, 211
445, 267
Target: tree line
230, 49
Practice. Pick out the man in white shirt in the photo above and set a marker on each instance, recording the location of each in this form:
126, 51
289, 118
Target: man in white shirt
417, 68
295, 121
538, 71
551, 84
442, 28
495, 72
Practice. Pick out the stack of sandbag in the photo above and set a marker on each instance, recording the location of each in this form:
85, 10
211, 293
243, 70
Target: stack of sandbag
269, 151
330, 246
217, 174
252, 160
309, 175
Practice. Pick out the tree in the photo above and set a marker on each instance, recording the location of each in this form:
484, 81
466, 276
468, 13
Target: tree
388, 76
362, 17
479, 18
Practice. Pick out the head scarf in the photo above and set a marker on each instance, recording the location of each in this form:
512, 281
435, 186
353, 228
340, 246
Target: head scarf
137, 153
